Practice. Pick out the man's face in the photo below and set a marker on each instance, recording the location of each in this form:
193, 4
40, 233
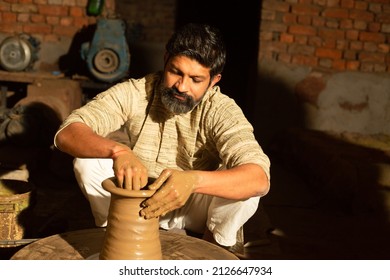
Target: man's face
185, 83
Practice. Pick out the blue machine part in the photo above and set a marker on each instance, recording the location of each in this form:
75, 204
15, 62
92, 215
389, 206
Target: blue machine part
107, 55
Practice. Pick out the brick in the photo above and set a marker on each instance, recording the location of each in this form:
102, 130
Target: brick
304, 60
352, 34
374, 27
347, 4
328, 53
11, 28
289, 18
274, 47
361, 15
350, 55
356, 45
268, 15
275, 5
302, 30
8, 17
286, 38
336, 13
385, 28
301, 39
52, 20
80, 22
373, 37
370, 46
306, 20
346, 24
361, 5
37, 28
305, 9
341, 44
383, 17
77, 12
360, 25
36, 18
71, 3
52, 10
372, 57
384, 48
339, 65
318, 21
375, 8
4, 7
327, 33
66, 21
319, 2
300, 49
67, 31
332, 23
315, 41
24, 8
329, 43
273, 26
333, 3
23, 18
352, 65
266, 36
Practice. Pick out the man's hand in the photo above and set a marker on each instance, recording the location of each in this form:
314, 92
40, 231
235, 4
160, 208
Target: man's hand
129, 170
173, 189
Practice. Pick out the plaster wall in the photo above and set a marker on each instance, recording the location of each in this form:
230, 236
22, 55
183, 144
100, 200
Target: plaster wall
295, 96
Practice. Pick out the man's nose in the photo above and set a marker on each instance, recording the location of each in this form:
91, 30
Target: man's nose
182, 84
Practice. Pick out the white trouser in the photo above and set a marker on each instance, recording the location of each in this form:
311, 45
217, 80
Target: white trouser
223, 217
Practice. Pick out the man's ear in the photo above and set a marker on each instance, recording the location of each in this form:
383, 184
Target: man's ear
215, 79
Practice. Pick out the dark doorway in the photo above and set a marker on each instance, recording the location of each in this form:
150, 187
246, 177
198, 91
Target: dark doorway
239, 23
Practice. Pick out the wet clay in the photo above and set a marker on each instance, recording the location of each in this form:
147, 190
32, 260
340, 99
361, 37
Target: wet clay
129, 236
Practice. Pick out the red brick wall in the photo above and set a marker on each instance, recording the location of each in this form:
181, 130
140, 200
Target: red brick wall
46, 18
333, 35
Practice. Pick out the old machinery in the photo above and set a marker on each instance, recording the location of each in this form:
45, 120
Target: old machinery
107, 56
18, 53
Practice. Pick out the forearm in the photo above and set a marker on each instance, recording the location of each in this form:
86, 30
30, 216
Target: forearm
240, 182
78, 140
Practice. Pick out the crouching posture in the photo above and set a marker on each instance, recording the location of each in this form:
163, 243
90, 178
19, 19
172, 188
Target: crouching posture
195, 142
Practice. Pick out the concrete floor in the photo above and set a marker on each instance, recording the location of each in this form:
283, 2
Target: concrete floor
293, 221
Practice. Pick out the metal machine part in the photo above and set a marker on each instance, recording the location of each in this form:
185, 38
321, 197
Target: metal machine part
107, 55
18, 53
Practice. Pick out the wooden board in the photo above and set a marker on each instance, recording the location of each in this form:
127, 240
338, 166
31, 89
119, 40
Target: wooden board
86, 244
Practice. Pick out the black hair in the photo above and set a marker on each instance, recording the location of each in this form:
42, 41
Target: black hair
201, 42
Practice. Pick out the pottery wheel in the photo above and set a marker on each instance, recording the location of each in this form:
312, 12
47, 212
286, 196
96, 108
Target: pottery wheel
86, 244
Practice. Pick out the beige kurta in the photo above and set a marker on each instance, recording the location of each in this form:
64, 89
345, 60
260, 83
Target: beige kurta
214, 134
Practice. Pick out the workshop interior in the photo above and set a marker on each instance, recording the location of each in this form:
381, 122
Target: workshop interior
313, 78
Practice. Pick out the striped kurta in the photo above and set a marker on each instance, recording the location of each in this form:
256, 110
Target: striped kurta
215, 134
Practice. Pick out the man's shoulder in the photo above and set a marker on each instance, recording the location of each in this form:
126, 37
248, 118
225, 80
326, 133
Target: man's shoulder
214, 98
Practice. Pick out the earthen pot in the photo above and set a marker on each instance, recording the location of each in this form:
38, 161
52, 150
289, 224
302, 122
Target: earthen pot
129, 236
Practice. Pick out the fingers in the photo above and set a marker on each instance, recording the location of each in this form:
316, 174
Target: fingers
132, 179
161, 179
161, 210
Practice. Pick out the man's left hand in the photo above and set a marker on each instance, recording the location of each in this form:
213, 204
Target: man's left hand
173, 189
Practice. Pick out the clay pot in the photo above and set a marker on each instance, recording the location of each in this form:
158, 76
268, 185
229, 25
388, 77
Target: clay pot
129, 236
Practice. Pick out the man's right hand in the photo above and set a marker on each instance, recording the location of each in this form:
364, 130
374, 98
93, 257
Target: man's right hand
129, 170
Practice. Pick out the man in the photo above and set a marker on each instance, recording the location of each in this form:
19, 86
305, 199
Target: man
196, 143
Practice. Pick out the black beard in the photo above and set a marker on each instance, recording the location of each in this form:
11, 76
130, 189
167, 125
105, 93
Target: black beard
174, 104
